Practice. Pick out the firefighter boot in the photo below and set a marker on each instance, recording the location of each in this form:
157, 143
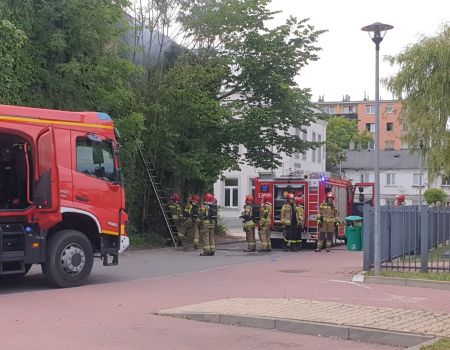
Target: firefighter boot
286, 245
319, 246
328, 246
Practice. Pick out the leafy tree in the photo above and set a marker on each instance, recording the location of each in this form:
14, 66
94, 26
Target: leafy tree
13, 63
432, 195
259, 66
341, 131
423, 82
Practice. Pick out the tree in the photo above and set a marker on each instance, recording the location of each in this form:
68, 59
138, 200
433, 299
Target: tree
13, 63
341, 131
432, 195
259, 66
423, 82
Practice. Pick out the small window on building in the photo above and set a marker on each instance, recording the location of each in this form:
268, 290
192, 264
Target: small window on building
370, 109
390, 108
319, 150
364, 177
405, 145
417, 180
389, 126
296, 155
252, 187
445, 180
390, 179
231, 193
313, 151
297, 165
371, 144
305, 138
390, 202
370, 127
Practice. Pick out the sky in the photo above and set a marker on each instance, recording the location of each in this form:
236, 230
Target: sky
347, 60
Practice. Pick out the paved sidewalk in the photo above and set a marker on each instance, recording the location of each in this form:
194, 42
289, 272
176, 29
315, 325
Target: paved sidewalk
389, 319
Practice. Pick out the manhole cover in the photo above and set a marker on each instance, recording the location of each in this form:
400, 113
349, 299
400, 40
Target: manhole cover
293, 271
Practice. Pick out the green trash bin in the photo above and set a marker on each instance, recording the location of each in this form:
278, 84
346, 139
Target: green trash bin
353, 232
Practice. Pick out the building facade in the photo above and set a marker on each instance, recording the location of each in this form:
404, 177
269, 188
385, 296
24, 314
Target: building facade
231, 190
391, 129
399, 174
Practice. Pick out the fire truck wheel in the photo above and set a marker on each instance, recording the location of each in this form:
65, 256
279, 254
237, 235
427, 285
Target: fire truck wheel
69, 259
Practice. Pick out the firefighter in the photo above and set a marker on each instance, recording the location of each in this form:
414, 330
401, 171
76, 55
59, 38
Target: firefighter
327, 219
190, 217
399, 200
249, 223
299, 203
207, 225
175, 213
265, 221
289, 220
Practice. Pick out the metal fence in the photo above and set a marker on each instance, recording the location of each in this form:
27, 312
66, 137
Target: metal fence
413, 238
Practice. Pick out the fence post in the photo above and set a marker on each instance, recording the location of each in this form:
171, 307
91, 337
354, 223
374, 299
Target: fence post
368, 238
424, 216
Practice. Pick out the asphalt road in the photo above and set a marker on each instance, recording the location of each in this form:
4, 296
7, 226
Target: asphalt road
115, 310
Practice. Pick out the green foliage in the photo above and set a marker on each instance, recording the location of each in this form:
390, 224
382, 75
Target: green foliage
441, 344
432, 195
13, 63
423, 81
341, 131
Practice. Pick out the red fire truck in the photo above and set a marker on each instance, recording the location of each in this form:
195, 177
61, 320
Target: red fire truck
61, 196
350, 199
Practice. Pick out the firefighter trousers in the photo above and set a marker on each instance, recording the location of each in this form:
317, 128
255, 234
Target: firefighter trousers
264, 236
207, 232
329, 238
190, 229
250, 236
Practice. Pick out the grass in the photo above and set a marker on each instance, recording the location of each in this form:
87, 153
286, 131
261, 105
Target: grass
442, 344
433, 254
146, 241
416, 275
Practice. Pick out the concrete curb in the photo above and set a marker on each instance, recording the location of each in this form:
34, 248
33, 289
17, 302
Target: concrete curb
368, 335
408, 282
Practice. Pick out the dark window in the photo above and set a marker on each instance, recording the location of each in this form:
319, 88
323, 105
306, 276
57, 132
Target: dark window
389, 126
95, 159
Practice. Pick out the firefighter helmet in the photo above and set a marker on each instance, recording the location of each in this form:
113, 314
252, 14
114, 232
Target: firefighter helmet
195, 198
175, 197
289, 197
330, 195
248, 199
400, 198
267, 198
299, 201
208, 198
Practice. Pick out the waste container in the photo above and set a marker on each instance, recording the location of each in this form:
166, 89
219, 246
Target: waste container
353, 232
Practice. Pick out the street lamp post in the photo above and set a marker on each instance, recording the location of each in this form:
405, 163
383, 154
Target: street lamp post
379, 30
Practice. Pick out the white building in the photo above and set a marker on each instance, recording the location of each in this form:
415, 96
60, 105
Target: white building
399, 173
235, 185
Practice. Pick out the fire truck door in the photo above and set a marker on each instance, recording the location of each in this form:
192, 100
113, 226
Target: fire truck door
45, 193
95, 176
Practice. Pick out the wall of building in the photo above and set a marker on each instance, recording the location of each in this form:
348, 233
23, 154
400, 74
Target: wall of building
406, 182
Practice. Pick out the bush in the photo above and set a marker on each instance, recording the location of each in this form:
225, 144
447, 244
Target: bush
432, 195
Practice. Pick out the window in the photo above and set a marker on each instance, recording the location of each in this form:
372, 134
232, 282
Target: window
370, 127
389, 144
370, 109
96, 159
231, 193
405, 145
313, 151
371, 144
319, 150
296, 155
305, 138
445, 180
349, 109
364, 177
390, 108
389, 126
390, 201
297, 165
252, 187
416, 180
390, 179
329, 110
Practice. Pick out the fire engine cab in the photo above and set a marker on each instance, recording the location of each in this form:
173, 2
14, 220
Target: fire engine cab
61, 196
350, 199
